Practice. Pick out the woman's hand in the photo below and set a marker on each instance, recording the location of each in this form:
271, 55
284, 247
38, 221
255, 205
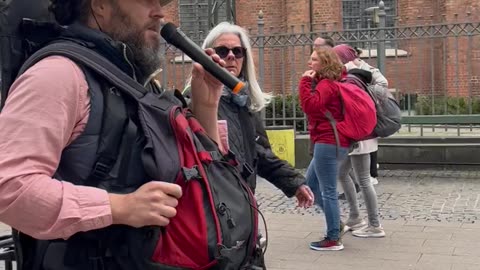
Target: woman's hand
206, 89
309, 73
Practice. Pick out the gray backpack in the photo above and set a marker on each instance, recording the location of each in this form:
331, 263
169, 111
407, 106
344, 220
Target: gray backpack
389, 115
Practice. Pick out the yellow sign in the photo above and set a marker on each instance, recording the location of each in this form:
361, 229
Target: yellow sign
283, 144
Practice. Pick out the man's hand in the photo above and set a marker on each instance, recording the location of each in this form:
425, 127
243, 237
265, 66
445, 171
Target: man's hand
206, 89
304, 196
153, 204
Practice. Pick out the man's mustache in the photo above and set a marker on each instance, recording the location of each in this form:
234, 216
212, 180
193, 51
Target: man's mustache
155, 26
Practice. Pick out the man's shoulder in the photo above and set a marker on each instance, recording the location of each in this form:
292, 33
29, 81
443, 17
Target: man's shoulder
56, 65
53, 75
55, 71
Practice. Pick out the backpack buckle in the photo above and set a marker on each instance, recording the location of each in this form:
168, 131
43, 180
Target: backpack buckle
247, 171
231, 158
191, 173
101, 170
216, 156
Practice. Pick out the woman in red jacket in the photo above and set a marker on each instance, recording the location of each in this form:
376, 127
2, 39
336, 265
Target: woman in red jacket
325, 70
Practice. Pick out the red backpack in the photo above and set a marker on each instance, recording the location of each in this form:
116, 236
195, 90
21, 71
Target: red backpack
359, 114
217, 217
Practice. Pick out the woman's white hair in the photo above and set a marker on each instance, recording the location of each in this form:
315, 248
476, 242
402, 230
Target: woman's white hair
258, 97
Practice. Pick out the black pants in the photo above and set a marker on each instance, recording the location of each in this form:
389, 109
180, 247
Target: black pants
373, 164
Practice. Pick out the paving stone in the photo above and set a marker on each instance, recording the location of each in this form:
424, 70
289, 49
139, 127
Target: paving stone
431, 197
460, 266
440, 259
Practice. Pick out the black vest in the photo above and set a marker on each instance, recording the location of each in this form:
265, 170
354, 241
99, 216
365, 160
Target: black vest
80, 164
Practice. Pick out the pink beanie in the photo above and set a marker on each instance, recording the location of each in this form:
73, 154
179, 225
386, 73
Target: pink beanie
345, 52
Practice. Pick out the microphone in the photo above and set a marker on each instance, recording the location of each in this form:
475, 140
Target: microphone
177, 38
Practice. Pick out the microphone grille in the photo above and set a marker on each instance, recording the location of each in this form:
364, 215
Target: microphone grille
168, 31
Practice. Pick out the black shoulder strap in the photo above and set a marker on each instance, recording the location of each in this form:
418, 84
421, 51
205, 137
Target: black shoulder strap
113, 131
92, 60
94, 66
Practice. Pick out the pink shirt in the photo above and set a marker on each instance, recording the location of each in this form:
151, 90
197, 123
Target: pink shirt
47, 108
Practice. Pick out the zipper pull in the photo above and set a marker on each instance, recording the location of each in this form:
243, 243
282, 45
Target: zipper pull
231, 223
223, 209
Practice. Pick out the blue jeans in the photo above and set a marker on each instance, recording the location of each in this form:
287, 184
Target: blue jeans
322, 179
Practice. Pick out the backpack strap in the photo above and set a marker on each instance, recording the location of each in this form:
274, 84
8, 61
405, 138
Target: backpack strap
94, 61
95, 65
333, 123
113, 132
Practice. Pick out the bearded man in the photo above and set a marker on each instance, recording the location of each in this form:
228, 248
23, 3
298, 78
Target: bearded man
50, 131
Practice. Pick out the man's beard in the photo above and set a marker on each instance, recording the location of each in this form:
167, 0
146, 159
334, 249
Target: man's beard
146, 57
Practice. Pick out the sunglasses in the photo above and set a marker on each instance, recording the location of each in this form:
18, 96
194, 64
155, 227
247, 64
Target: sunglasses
238, 52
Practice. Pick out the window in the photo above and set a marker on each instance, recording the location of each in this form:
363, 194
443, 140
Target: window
197, 17
355, 16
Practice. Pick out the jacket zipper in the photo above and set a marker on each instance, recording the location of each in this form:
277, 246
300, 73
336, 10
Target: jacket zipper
149, 78
128, 61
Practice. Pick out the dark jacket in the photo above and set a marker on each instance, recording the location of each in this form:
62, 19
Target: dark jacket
248, 140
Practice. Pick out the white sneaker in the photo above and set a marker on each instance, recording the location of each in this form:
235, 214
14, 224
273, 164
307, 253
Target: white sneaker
373, 180
353, 225
370, 232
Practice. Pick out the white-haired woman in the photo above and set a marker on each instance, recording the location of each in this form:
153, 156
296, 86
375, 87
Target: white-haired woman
247, 138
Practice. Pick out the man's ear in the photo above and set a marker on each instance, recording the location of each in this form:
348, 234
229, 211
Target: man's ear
100, 14
101, 9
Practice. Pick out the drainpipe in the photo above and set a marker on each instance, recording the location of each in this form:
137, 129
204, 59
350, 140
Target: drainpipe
311, 15
310, 5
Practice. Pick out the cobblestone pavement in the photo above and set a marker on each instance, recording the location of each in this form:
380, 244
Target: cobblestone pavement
431, 220
443, 196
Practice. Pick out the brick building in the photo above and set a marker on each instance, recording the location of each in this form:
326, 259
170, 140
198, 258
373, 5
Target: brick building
415, 64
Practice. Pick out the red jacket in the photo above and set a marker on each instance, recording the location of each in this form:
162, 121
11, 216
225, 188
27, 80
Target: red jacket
325, 97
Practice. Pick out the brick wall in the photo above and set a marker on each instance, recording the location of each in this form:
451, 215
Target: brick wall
274, 14
462, 79
327, 15
430, 67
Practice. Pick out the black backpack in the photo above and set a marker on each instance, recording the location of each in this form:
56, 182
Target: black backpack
23, 26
